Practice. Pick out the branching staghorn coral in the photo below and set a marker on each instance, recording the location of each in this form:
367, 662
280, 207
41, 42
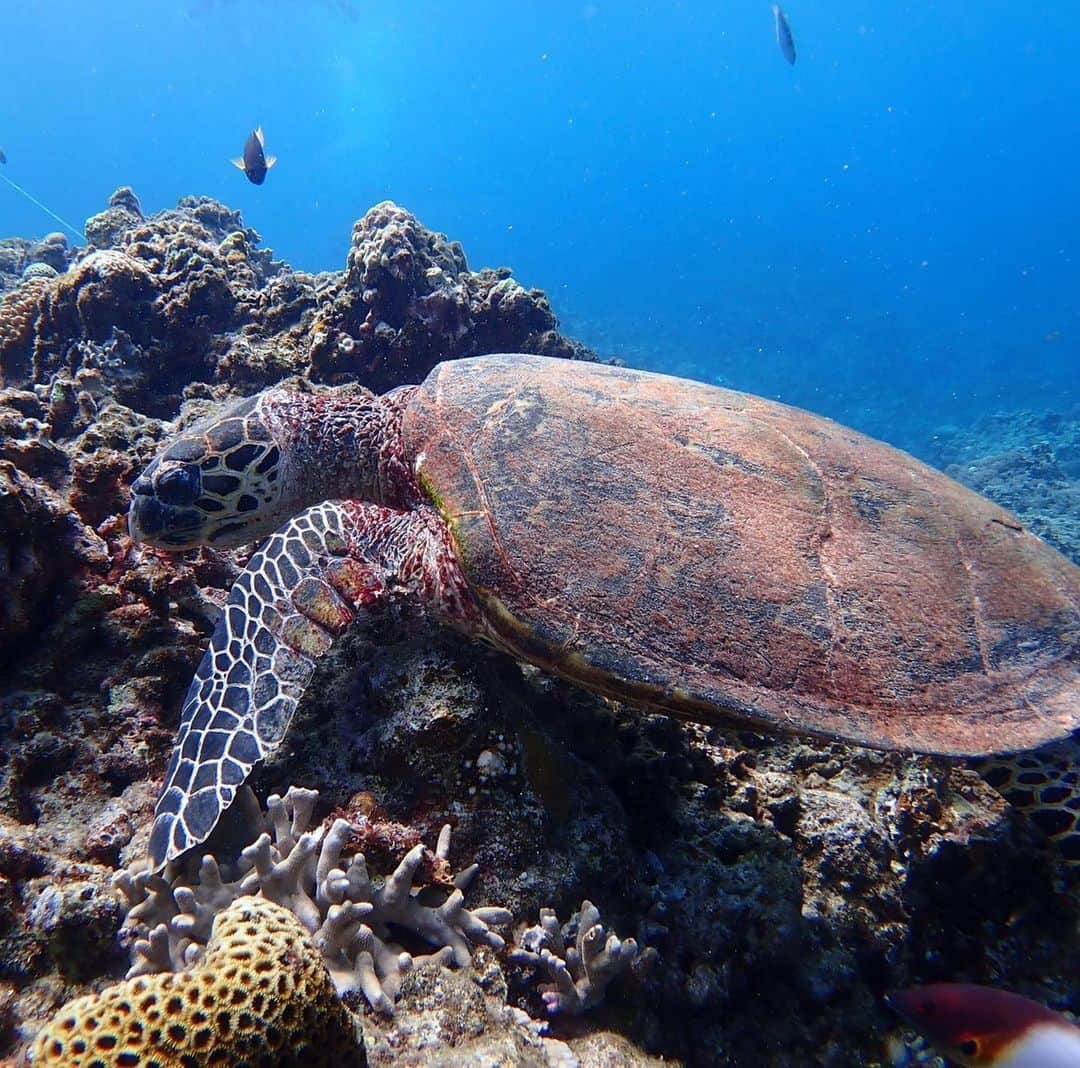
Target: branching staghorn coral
346, 912
582, 970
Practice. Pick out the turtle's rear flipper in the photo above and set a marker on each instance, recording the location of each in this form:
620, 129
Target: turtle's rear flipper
321, 571
1044, 784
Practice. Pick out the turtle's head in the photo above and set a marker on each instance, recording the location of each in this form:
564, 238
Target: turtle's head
240, 474
219, 483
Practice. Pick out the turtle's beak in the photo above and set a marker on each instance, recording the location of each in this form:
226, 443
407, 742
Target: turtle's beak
162, 512
144, 515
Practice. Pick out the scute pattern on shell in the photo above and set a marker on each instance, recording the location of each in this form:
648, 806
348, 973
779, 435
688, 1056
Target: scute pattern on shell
737, 835
702, 550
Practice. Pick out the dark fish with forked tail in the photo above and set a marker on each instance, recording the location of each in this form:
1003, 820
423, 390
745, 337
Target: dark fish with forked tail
783, 34
255, 163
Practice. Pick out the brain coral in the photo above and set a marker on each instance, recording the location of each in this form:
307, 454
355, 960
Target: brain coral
40, 270
260, 996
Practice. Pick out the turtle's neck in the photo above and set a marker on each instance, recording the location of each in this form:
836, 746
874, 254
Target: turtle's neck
342, 443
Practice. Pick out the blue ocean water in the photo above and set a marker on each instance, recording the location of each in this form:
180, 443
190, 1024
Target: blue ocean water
886, 232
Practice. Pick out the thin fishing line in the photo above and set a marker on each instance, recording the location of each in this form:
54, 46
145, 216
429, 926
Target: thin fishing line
48, 211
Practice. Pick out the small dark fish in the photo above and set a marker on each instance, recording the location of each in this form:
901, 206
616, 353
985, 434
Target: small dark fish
255, 163
3, 158
783, 34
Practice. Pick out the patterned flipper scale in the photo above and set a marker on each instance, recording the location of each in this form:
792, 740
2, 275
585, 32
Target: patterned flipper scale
1044, 784
299, 592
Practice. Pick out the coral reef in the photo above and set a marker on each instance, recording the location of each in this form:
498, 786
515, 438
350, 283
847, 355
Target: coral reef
107, 227
34, 520
259, 995
1026, 461
152, 304
187, 295
66, 457
786, 884
348, 915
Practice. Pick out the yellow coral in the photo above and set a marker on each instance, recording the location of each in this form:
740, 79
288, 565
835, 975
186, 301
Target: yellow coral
261, 995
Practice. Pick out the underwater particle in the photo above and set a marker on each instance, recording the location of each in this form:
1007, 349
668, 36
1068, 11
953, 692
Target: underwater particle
984, 1027
255, 163
783, 35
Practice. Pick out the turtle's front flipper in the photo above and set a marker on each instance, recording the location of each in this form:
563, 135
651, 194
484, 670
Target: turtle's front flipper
1044, 784
330, 565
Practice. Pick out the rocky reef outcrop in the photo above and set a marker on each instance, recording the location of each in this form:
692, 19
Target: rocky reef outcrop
776, 887
407, 300
188, 295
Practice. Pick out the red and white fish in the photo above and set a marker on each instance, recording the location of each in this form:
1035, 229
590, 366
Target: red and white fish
987, 1028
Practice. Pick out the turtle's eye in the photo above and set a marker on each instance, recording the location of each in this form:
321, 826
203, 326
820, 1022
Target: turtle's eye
969, 1048
179, 486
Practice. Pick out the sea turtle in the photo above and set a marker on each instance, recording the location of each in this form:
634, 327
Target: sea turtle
670, 544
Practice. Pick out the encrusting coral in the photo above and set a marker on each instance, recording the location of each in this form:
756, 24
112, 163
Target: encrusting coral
582, 970
260, 995
344, 910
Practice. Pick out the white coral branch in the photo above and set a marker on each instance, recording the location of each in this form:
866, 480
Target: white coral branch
347, 912
582, 972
